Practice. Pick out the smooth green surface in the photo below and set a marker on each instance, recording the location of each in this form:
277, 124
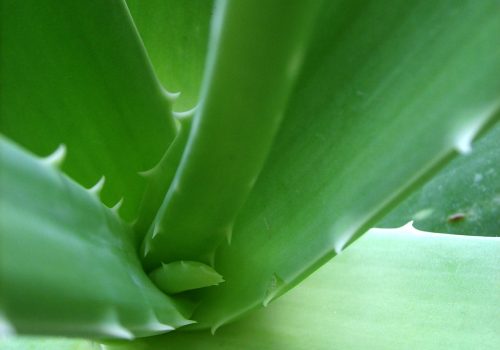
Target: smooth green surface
251, 69
387, 93
41, 343
392, 289
180, 276
75, 72
175, 33
464, 198
67, 263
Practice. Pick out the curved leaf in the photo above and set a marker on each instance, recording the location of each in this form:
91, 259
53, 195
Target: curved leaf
68, 265
75, 72
464, 198
392, 289
175, 33
233, 128
387, 94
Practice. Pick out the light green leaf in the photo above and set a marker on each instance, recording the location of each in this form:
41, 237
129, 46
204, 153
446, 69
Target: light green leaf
387, 94
180, 276
75, 72
233, 127
392, 289
175, 33
68, 265
45, 343
464, 198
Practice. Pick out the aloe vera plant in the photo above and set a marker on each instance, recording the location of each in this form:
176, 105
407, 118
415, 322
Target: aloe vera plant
170, 168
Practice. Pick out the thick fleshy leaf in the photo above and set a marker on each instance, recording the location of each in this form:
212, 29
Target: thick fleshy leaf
67, 262
392, 289
45, 343
248, 81
388, 93
75, 72
464, 198
181, 276
175, 34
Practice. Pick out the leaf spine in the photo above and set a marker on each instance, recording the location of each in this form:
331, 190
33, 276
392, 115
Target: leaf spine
156, 230
171, 96
186, 114
115, 208
57, 157
97, 188
111, 326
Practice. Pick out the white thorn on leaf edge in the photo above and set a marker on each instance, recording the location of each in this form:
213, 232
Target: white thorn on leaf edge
57, 157
407, 229
215, 327
116, 330
171, 96
115, 208
467, 132
275, 285
147, 247
409, 226
230, 318
156, 230
111, 326
155, 325
97, 188
6, 327
463, 142
228, 232
185, 114
147, 173
341, 242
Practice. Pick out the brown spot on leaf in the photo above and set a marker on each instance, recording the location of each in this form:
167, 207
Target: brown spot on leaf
456, 217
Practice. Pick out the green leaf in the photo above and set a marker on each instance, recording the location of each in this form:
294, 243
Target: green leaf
75, 72
387, 94
45, 343
392, 289
68, 265
175, 34
464, 198
233, 128
180, 276
160, 177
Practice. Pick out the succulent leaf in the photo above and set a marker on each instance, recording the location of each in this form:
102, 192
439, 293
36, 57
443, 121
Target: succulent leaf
75, 72
68, 265
380, 105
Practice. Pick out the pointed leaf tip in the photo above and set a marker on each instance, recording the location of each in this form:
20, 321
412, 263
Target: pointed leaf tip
276, 284
180, 276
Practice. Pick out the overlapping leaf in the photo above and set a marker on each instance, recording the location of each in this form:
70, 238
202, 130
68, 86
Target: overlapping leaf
386, 95
392, 289
464, 198
67, 263
233, 128
175, 33
75, 72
